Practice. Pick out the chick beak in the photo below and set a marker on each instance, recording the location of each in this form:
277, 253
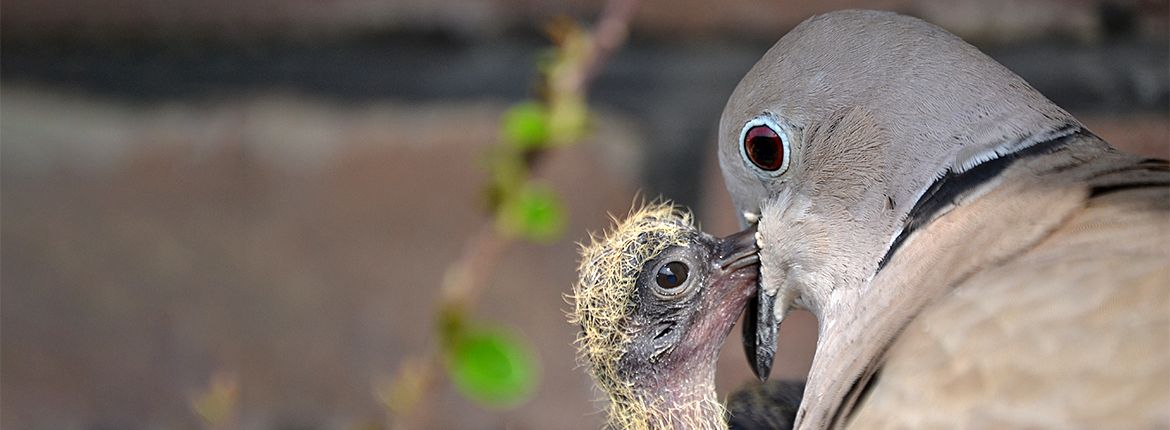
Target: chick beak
739, 251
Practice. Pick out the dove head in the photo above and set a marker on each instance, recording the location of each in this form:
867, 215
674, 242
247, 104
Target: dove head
832, 138
655, 300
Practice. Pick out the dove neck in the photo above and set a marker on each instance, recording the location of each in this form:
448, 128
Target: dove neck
859, 325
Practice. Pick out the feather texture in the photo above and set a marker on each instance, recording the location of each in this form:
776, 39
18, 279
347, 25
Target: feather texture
974, 256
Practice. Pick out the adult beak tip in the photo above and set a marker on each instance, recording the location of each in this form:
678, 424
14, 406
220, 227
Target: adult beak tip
759, 334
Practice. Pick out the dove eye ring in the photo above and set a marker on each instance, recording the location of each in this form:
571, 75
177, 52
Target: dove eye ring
764, 145
671, 278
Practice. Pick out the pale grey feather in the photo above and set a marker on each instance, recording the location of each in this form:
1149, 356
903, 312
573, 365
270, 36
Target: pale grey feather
954, 229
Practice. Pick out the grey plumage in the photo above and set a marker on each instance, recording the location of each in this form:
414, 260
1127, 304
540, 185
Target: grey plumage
974, 255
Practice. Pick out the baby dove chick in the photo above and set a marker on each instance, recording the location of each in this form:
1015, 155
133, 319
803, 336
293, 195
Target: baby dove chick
655, 300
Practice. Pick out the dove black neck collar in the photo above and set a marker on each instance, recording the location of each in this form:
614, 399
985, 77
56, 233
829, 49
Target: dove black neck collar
958, 182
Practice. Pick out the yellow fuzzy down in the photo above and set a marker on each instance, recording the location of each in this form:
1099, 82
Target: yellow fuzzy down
603, 299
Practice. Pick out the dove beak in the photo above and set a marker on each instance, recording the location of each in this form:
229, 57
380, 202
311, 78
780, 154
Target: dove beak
740, 251
759, 333
759, 322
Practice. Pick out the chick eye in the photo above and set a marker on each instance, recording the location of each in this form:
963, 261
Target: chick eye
764, 148
672, 275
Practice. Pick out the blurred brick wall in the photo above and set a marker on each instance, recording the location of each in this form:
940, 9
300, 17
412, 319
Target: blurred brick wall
295, 244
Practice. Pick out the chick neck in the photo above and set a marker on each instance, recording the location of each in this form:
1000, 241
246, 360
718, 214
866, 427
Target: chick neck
681, 399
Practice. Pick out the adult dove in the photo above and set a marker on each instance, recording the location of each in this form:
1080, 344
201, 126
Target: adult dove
974, 256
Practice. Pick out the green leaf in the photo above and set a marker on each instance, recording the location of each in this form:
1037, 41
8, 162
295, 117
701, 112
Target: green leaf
492, 367
534, 213
526, 125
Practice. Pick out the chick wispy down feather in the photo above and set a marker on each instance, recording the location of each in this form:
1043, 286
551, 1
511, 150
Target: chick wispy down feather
603, 299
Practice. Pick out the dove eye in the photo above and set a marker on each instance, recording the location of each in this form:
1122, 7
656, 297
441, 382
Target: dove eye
672, 275
764, 147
